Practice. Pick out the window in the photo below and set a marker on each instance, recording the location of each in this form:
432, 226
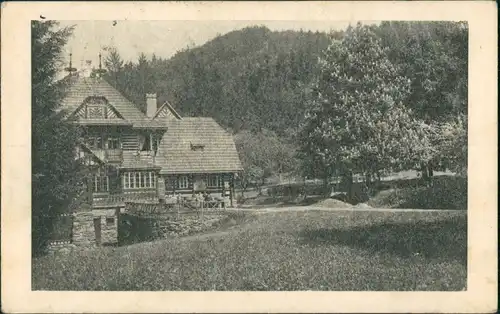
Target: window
113, 143
146, 146
90, 141
132, 180
94, 142
183, 182
197, 146
126, 181
151, 143
98, 142
214, 181
110, 221
139, 180
101, 183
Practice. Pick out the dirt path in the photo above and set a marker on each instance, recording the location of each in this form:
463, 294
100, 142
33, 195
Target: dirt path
352, 209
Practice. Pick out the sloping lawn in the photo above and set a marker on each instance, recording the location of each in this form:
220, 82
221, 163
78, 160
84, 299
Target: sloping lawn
310, 250
448, 192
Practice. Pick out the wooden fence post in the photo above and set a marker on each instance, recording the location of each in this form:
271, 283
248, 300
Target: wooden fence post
202, 205
178, 208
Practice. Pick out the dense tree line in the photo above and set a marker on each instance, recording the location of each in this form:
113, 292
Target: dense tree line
248, 79
394, 94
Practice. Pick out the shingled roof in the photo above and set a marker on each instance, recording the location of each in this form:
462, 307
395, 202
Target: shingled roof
190, 145
137, 160
80, 87
215, 151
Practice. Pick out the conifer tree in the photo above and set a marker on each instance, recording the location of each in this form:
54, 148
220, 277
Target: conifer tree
55, 172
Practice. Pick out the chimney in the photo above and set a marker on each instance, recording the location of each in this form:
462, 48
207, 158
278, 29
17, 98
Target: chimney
87, 70
151, 105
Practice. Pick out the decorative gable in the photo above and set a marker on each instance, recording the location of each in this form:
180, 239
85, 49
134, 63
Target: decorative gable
95, 107
167, 112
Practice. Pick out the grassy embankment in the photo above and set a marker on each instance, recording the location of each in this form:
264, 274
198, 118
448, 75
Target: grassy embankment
309, 250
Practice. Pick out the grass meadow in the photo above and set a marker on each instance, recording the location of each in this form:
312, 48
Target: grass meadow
285, 251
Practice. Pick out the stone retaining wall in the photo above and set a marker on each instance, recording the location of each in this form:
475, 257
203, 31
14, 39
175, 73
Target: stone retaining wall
63, 248
171, 226
167, 225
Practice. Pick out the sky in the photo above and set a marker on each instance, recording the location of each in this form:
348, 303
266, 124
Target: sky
164, 38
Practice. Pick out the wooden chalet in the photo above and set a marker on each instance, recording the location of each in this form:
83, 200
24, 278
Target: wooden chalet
147, 157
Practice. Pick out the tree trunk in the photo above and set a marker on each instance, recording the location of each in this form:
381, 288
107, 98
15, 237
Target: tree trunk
378, 180
260, 185
423, 169
325, 184
305, 188
427, 173
350, 187
368, 183
430, 173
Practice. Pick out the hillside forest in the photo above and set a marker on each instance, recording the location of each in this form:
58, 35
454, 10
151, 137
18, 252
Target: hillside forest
370, 99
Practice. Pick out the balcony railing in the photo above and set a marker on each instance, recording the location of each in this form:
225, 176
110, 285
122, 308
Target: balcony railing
108, 155
120, 199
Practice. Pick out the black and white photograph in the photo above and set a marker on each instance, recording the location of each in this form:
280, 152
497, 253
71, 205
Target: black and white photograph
251, 155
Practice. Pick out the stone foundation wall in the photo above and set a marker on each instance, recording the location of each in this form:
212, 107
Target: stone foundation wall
83, 229
171, 226
109, 224
166, 225
84, 233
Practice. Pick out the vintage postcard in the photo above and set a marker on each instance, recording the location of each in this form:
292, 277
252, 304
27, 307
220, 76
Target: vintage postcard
249, 157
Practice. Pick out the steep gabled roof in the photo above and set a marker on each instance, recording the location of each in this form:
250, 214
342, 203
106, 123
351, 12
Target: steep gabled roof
215, 149
79, 88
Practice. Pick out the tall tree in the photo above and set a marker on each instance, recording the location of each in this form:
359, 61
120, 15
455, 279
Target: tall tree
55, 171
434, 57
356, 121
114, 64
143, 69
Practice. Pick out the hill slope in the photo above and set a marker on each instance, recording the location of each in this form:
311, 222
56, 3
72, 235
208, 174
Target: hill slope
252, 78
